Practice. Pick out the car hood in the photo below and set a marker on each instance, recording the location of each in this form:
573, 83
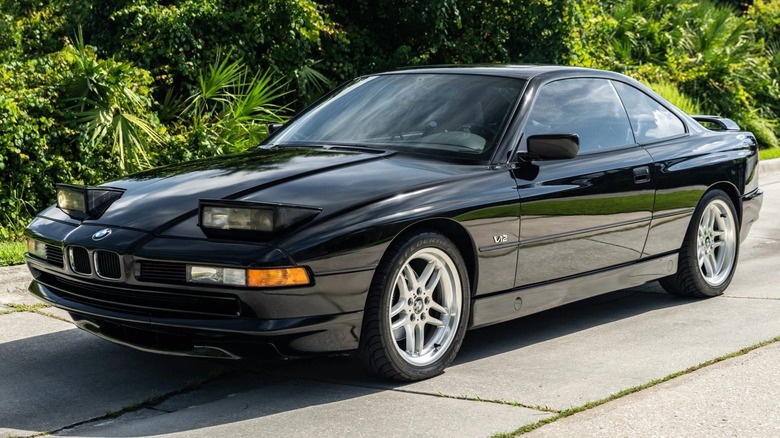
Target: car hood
165, 200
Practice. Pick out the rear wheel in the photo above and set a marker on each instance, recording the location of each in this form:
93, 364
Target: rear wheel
417, 309
708, 257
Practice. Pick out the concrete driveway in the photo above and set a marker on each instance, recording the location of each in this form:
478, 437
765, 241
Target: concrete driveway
570, 360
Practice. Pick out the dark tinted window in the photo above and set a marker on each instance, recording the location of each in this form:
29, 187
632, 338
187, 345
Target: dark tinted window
589, 108
451, 115
650, 120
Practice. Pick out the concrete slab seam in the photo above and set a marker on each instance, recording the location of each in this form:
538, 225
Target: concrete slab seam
634, 389
732, 297
438, 395
149, 403
482, 400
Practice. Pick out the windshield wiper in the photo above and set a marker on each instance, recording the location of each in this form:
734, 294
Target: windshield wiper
331, 147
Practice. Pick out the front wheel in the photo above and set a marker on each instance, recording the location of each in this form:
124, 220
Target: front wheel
708, 257
417, 309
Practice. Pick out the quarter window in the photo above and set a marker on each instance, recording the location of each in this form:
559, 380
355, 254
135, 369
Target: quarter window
589, 108
651, 120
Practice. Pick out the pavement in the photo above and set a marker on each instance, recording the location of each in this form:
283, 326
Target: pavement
632, 363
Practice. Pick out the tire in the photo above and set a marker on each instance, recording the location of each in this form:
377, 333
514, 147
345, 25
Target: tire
708, 257
417, 309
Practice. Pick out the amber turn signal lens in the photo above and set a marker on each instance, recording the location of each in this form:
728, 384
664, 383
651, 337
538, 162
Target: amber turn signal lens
278, 277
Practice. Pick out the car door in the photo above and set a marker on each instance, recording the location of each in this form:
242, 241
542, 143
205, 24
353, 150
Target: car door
591, 212
665, 137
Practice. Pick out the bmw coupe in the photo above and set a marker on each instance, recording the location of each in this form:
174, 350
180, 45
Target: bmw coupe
401, 210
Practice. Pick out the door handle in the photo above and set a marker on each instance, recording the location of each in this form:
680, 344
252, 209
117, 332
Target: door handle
641, 174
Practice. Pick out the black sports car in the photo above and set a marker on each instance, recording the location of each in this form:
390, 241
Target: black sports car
401, 210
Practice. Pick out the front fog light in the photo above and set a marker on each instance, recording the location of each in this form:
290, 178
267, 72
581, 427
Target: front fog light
36, 248
252, 277
216, 275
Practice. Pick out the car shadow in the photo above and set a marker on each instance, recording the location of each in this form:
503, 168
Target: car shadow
499, 338
67, 377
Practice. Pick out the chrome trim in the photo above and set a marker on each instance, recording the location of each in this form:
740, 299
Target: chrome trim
72, 262
97, 266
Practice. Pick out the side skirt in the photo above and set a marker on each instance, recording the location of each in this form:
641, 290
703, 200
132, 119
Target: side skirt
521, 302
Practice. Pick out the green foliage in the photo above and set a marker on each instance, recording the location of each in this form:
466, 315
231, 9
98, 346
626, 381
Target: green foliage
231, 108
387, 35
670, 92
311, 83
111, 100
12, 253
704, 48
768, 154
175, 39
35, 149
29, 28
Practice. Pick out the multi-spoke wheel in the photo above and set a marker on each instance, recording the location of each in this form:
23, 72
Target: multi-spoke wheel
417, 309
709, 253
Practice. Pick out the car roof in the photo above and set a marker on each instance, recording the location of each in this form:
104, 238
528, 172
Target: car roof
513, 71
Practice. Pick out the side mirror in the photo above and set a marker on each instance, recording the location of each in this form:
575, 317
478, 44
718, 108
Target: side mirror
273, 127
551, 147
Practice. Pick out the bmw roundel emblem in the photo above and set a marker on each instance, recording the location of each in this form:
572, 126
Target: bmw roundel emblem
101, 234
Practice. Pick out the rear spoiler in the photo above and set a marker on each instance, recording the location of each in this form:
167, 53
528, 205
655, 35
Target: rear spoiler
721, 123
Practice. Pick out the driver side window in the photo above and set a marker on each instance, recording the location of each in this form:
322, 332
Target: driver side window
587, 107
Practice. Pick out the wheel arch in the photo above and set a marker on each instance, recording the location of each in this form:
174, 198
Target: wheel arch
456, 233
731, 191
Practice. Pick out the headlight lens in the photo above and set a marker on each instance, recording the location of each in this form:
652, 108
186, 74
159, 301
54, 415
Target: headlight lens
250, 220
252, 277
233, 218
36, 248
80, 202
71, 199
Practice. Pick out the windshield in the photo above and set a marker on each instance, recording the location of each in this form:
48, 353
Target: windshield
459, 116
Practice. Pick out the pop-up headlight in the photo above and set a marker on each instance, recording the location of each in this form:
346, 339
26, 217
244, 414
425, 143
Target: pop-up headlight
80, 202
245, 219
237, 218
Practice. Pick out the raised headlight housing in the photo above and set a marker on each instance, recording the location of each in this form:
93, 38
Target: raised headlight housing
81, 202
250, 220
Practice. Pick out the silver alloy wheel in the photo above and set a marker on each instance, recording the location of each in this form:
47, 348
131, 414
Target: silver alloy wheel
716, 243
425, 306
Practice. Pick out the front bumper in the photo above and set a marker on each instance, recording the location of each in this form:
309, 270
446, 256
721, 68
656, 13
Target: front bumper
240, 335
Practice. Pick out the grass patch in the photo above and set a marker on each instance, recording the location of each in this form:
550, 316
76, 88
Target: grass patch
38, 308
498, 402
768, 154
571, 411
32, 308
12, 253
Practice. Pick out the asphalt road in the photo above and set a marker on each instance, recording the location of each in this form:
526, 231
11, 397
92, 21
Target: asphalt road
55, 378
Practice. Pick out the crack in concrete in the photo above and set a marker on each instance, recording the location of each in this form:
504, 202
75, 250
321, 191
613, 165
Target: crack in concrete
150, 403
